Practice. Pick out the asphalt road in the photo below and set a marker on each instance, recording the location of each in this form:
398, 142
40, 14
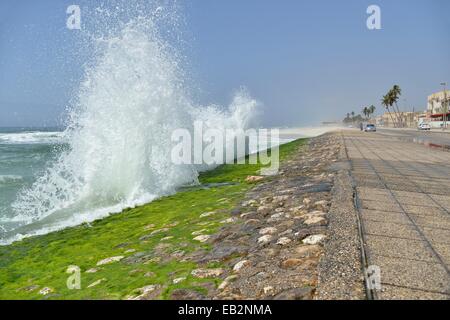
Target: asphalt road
403, 194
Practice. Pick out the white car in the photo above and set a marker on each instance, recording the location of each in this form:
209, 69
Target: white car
424, 126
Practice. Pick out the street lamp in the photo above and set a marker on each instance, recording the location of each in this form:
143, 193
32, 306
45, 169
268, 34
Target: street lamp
444, 116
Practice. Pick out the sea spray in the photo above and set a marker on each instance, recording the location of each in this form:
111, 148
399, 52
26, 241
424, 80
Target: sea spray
132, 98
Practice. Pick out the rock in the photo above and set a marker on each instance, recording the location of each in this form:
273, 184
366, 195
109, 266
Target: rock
263, 209
227, 281
31, 288
45, 291
159, 231
202, 238
178, 280
283, 241
279, 199
268, 230
167, 238
207, 214
110, 260
149, 274
321, 203
269, 290
306, 201
265, 239
229, 220
207, 273
149, 226
147, 293
307, 250
135, 271
224, 251
92, 270
122, 245
93, 284
314, 239
254, 178
275, 217
185, 294
249, 203
289, 263
305, 293
130, 250
198, 232
240, 265
314, 220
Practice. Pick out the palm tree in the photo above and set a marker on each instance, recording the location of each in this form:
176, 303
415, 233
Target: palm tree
395, 94
371, 110
386, 102
365, 111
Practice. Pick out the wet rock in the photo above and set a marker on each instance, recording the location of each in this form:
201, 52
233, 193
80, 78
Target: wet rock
109, 260
207, 273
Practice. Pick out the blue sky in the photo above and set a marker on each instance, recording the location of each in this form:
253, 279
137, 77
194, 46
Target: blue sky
305, 60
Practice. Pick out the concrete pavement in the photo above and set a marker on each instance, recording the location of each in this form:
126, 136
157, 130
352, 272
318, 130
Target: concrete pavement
403, 196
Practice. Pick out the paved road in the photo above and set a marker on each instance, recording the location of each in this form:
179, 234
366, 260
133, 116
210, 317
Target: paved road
404, 205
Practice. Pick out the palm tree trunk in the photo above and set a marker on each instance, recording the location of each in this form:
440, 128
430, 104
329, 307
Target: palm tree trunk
399, 115
392, 118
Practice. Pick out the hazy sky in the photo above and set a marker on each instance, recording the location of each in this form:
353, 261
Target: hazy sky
305, 60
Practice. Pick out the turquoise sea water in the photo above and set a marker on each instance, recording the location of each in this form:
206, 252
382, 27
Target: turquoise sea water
23, 154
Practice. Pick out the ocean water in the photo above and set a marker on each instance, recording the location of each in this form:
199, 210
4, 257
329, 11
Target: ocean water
24, 153
115, 150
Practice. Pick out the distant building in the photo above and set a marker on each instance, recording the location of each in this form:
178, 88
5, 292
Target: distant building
436, 108
390, 119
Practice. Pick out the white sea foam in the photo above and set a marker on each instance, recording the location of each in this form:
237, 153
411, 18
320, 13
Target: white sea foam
35, 137
119, 134
10, 178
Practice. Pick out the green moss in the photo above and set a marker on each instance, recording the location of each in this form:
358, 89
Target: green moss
43, 260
